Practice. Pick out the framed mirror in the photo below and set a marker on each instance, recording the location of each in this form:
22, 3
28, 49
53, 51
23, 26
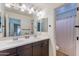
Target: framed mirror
18, 24
19, 27
14, 27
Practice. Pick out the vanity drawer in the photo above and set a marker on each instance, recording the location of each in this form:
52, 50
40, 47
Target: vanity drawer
45, 42
37, 43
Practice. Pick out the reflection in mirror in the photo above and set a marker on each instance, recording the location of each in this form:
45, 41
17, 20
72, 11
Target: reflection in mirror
14, 27
38, 26
0, 25
26, 27
42, 25
18, 27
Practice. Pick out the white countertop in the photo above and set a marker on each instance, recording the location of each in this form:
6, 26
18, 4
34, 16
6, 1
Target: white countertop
7, 44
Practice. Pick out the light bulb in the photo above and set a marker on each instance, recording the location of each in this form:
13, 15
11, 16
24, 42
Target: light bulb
32, 9
30, 12
23, 6
7, 5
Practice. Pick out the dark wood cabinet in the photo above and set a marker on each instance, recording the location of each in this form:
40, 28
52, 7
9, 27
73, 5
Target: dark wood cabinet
37, 49
40, 48
45, 48
25, 50
45, 51
8, 52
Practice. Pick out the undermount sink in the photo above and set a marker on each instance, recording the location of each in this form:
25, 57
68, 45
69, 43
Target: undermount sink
6, 41
19, 40
11, 41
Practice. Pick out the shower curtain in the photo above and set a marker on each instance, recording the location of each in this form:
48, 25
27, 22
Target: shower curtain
65, 31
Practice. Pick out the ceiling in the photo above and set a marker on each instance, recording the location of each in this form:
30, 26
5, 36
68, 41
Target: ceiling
47, 5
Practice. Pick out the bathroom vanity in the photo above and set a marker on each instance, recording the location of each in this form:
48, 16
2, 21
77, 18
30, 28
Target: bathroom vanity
39, 48
32, 46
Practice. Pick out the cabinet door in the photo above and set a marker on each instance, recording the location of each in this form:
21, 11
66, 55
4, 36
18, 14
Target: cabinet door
37, 49
25, 50
9, 52
45, 51
45, 48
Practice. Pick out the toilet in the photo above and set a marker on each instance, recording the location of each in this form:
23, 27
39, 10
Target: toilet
57, 47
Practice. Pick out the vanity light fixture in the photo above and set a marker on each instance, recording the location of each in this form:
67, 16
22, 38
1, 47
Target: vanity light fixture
24, 7
31, 10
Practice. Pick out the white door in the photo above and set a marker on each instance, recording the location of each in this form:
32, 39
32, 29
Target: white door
77, 34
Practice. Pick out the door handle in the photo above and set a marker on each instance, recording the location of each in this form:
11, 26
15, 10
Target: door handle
77, 38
